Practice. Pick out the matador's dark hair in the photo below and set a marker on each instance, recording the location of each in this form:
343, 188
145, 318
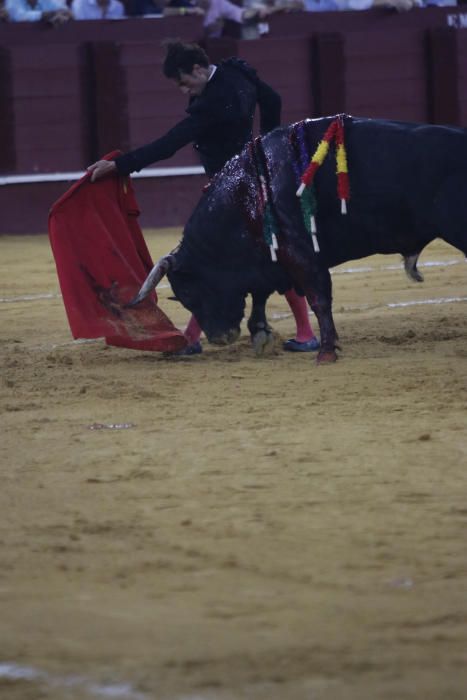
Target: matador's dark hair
182, 57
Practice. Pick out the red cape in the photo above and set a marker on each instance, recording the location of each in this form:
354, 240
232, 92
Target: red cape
102, 261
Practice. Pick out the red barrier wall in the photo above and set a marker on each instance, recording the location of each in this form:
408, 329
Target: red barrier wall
69, 95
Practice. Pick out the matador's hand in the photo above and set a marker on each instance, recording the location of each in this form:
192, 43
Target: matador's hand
101, 168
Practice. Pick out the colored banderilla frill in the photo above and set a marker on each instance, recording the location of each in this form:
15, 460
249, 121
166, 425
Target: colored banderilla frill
335, 132
343, 188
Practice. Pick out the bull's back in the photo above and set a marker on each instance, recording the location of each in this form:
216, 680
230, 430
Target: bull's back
396, 172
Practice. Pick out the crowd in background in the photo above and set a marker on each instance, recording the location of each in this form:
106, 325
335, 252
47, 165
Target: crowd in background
251, 15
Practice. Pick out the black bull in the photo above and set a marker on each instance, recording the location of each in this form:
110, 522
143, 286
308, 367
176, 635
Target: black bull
408, 186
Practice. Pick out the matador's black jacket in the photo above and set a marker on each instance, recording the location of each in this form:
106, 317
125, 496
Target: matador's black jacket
219, 121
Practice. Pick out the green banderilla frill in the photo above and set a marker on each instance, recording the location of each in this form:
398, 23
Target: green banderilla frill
309, 206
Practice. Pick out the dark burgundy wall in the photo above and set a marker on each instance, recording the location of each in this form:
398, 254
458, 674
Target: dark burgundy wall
163, 202
71, 94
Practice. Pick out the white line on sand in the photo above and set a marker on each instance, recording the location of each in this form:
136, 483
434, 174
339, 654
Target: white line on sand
336, 271
121, 691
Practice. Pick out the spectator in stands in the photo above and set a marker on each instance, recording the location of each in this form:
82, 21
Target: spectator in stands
216, 11
399, 5
254, 29
174, 8
441, 3
97, 9
53, 12
3, 12
141, 8
330, 5
178, 8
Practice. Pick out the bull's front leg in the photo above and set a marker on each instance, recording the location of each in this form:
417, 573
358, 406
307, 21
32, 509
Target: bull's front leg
321, 305
260, 330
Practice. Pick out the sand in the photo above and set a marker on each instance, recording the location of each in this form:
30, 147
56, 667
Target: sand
253, 528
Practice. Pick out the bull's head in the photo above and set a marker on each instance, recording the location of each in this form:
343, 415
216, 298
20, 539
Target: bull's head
212, 295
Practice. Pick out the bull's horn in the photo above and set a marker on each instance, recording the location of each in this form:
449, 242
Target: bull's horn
159, 271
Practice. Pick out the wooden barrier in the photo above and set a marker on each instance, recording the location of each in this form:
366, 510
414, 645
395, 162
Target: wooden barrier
70, 95
7, 116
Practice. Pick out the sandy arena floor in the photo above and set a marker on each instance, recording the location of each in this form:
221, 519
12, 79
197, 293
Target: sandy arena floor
265, 529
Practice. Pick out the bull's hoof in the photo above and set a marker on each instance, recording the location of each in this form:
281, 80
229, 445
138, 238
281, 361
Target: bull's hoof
325, 356
262, 341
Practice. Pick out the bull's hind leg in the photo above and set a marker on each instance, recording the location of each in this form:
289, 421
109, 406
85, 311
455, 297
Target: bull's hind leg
450, 210
411, 269
260, 330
